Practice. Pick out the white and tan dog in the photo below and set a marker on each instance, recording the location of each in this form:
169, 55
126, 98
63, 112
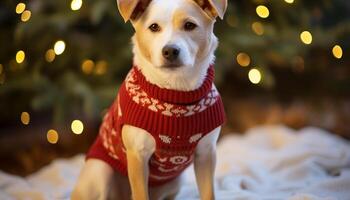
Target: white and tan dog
174, 46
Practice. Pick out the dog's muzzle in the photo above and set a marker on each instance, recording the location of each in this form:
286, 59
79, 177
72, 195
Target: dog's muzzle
171, 53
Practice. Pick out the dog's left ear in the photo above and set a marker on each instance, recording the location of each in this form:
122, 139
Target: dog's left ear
132, 9
214, 8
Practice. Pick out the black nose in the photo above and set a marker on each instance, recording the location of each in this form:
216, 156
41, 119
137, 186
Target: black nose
171, 52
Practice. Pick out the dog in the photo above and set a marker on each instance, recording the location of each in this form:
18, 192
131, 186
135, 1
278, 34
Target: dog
167, 114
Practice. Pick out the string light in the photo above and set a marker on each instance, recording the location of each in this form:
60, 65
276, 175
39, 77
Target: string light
306, 37
243, 59
77, 127
50, 55
76, 4
258, 28
26, 15
254, 76
59, 47
101, 67
52, 136
289, 1
20, 8
337, 52
25, 118
20, 56
87, 66
262, 11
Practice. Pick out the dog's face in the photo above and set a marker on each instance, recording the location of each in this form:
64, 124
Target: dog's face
172, 34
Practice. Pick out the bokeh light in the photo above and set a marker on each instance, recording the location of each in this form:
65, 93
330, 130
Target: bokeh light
298, 64
87, 66
25, 118
52, 136
20, 56
262, 11
50, 55
76, 4
243, 59
306, 37
26, 15
258, 28
289, 1
59, 47
232, 20
20, 8
337, 52
77, 127
254, 76
101, 67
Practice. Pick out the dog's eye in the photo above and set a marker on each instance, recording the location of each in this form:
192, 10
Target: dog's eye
154, 27
189, 26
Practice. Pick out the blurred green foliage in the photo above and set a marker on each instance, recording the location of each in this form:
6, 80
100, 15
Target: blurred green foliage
97, 32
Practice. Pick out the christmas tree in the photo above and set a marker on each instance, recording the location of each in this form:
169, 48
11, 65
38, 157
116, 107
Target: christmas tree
65, 59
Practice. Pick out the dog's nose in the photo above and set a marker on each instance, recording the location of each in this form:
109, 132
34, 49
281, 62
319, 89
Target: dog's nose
171, 52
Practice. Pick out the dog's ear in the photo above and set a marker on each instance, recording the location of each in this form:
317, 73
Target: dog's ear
132, 9
214, 8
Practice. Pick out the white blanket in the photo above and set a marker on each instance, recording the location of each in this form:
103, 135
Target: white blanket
266, 163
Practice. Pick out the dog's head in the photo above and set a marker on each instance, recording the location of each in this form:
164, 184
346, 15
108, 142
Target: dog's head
172, 34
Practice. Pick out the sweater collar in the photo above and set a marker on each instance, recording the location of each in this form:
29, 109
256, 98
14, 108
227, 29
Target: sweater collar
174, 96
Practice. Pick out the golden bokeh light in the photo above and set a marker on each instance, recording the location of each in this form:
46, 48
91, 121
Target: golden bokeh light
337, 52
306, 37
50, 55
25, 118
20, 8
258, 28
254, 76
262, 11
26, 15
243, 59
77, 127
59, 47
52, 136
20, 56
87, 66
101, 67
76, 4
289, 1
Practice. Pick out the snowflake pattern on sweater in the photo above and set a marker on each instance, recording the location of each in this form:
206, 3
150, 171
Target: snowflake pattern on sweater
141, 97
176, 120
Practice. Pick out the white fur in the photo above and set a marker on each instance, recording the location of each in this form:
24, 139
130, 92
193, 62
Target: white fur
97, 179
181, 79
192, 74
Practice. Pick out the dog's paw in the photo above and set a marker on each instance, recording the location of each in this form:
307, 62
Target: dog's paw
90, 191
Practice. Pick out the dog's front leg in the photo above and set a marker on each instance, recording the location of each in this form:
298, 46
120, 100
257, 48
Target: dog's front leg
140, 146
204, 164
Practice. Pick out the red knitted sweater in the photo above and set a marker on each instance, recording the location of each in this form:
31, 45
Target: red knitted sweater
177, 120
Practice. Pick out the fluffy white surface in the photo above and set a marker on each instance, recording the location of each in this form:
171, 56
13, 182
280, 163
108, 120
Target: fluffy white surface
266, 163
